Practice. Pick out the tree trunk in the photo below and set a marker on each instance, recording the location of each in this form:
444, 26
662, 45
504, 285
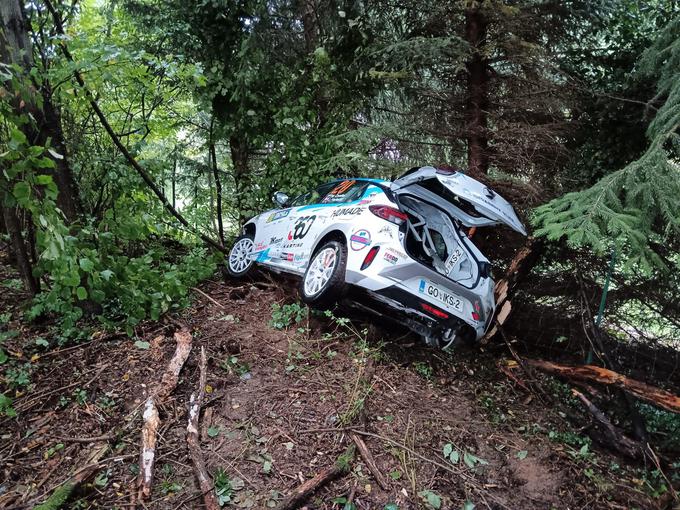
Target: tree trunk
174, 182
218, 191
239, 158
15, 47
68, 198
477, 101
19, 248
310, 26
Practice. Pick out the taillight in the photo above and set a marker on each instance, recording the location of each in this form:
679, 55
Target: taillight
370, 257
389, 213
475, 316
434, 311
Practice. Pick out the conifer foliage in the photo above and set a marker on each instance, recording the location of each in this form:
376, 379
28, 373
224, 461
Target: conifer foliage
636, 208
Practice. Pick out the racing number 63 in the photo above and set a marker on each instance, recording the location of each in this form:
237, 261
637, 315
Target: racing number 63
302, 226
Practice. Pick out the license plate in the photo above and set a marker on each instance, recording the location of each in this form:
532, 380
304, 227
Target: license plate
440, 294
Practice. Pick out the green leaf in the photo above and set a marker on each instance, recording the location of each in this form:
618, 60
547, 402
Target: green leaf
86, 264
448, 448
395, 475
106, 274
432, 499
3, 357
391, 506
213, 431
522, 454
469, 505
21, 191
140, 344
81, 293
41, 342
454, 457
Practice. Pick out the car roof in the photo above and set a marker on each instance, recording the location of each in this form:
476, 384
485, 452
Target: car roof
367, 179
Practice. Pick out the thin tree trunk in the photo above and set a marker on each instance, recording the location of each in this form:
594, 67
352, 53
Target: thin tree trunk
477, 101
174, 182
20, 251
218, 191
239, 158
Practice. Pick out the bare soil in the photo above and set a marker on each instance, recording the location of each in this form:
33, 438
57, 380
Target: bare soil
279, 406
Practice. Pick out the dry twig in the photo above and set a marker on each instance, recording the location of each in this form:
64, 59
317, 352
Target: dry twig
193, 442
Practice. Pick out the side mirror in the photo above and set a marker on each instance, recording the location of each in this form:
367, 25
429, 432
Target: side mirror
280, 198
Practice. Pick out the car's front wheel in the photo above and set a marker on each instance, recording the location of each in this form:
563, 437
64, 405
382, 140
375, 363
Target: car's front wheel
324, 281
239, 262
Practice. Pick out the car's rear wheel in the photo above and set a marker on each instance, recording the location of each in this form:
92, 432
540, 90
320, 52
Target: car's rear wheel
324, 281
239, 262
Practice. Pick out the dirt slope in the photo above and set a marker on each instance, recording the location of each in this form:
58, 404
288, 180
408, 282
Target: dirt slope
279, 404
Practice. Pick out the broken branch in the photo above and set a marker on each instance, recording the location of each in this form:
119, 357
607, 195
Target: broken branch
193, 442
650, 394
150, 416
369, 460
303, 491
613, 436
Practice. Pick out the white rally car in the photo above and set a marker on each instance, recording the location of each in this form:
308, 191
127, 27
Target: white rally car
398, 249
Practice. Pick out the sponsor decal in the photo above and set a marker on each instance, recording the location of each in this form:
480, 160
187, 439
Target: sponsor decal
360, 239
396, 253
387, 230
343, 187
301, 227
440, 294
288, 256
347, 211
259, 246
292, 245
275, 240
278, 215
391, 258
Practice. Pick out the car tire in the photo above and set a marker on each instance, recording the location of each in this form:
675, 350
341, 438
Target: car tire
323, 286
238, 266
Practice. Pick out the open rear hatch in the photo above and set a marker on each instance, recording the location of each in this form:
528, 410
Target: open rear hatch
466, 199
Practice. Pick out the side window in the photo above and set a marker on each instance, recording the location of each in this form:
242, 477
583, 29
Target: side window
312, 197
345, 191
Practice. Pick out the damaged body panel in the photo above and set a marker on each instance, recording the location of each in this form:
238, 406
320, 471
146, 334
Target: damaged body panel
397, 249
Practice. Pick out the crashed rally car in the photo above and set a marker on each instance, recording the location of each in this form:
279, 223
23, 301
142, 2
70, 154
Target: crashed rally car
398, 249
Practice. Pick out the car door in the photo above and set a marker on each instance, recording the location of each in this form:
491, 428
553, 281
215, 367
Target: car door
468, 200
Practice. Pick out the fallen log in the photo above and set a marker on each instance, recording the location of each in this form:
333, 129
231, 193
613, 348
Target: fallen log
151, 420
328, 474
193, 442
650, 394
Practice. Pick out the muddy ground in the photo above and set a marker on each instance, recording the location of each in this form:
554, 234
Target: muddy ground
280, 403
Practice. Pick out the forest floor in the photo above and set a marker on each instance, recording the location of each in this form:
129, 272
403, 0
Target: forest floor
278, 410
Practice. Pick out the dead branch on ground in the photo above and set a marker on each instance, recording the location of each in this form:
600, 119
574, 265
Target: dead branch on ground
328, 474
150, 416
193, 441
613, 436
650, 394
61, 494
